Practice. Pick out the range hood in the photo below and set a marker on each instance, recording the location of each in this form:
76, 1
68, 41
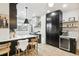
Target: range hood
26, 20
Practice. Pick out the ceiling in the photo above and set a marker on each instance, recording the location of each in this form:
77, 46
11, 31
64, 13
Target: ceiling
38, 9
70, 6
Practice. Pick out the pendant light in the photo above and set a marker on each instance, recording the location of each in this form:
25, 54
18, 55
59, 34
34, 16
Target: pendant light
26, 20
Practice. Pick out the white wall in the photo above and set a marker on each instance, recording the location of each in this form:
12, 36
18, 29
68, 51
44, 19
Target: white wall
43, 29
4, 10
4, 34
72, 13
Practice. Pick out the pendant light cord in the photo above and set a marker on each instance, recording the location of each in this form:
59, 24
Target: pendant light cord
26, 11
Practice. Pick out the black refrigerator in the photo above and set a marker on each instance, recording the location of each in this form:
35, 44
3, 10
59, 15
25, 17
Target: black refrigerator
53, 27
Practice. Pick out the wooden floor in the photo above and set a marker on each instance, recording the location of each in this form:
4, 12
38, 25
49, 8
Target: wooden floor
48, 50
77, 52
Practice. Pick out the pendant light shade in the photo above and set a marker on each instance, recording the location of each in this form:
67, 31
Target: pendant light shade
26, 20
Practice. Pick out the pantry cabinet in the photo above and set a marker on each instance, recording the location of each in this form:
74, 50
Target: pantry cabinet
12, 14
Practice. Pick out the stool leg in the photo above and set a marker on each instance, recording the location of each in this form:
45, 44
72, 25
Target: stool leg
18, 52
8, 54
26, 52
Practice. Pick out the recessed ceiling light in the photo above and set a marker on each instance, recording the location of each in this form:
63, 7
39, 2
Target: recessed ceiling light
50, 4
64, 5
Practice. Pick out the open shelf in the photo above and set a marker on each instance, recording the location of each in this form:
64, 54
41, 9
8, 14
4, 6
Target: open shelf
70, 21
70, 24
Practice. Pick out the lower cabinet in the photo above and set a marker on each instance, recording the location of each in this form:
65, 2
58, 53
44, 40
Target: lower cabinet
73, 45
68, 44
39, 38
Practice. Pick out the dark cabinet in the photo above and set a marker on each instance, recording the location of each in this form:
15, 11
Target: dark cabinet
73, 45
53, 27
12, 15
39, 38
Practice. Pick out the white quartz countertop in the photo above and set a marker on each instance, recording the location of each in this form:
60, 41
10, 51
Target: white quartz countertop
67, 37
19, 37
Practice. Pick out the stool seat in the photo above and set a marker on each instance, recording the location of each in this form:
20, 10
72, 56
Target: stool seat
22, 45
3, 51
32, 43
5, 48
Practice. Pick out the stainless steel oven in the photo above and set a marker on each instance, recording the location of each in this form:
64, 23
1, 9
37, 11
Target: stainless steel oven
64, 43
68, 44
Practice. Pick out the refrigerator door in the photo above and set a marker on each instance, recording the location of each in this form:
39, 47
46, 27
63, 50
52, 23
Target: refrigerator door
53, 27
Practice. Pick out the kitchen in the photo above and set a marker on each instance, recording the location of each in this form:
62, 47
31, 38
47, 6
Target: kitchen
28, 21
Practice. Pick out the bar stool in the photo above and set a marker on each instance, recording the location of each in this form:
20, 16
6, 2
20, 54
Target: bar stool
5, 48
22, 45
34, 46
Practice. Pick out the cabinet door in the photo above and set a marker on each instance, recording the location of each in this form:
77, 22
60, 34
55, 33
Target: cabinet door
12, 14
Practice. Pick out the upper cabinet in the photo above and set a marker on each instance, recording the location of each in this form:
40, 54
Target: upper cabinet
71, 24
12, 14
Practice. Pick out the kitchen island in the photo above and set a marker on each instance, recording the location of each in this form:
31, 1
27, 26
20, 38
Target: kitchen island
14, 42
